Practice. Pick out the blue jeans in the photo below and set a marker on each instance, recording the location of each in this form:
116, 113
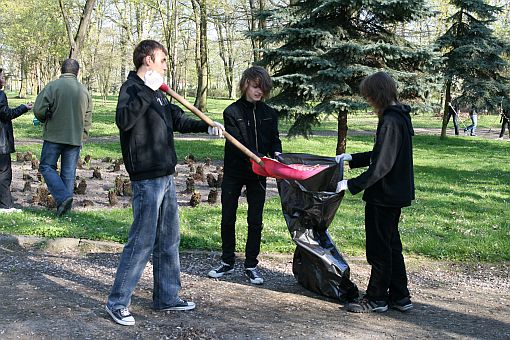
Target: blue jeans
60, 186
472, 127
155, 230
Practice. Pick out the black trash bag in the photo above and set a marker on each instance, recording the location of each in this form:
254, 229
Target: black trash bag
309, 207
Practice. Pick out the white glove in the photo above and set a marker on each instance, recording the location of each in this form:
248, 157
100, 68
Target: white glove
276, 154
341, 186
346, 157
153, 79
216, 130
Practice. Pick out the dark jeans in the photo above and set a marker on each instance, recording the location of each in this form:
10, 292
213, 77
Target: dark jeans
255, 195
5, 182
60, 186
455, 122
388, 278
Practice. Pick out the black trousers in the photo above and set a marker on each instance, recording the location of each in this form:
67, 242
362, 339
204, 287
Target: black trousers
5, 182
388, 278
255, 195
504, 124
455, 122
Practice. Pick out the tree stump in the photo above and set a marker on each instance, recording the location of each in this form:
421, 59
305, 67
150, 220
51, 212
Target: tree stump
195, 199
27, 187
212, 182
212, 198
35, 164
112, 197
81, 188
96, 173
190, 185
127, 190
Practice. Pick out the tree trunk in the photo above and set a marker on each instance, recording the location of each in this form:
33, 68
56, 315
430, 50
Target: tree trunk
341, 143
77, 42
202, 62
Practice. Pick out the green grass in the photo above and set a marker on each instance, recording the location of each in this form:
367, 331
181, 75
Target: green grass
461, 211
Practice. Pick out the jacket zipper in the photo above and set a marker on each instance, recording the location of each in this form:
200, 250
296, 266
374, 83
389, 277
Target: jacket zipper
255, 122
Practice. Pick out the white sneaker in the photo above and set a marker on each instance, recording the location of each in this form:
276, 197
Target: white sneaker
254, 276
10, 210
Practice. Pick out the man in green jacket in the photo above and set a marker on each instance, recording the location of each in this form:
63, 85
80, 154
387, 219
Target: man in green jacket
64, 106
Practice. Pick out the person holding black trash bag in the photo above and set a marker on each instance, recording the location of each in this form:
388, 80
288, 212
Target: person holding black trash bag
7, 147
388, 185
505, 122
453, 112
255, 125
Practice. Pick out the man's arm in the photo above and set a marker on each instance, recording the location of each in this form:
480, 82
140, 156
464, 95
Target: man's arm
132, 104
87, 119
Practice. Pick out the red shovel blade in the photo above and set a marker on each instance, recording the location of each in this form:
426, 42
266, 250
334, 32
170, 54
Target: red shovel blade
273, 168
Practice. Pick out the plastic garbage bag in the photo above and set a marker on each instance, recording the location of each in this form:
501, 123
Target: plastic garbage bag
309, 207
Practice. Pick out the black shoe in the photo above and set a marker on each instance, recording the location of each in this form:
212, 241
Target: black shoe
365, 305
402, 305
221, 270
121, 316
65, 206
180, 306
254, 275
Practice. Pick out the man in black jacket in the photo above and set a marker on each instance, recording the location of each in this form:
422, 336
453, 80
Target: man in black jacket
505, 122
7, 147
389, 185
255, 125
147, 121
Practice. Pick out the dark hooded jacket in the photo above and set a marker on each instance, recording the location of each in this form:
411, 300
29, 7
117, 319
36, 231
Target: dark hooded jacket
389, 179
6, 116
255, 125
147, 122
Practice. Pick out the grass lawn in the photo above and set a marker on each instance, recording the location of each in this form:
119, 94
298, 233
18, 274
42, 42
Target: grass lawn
461, 211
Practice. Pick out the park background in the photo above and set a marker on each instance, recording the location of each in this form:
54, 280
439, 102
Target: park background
318, 51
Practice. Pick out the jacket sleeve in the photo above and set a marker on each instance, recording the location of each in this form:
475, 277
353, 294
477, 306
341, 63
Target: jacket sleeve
277, 143
7, 114
133, 103
87, 118
382, 158
184, 124
43, 103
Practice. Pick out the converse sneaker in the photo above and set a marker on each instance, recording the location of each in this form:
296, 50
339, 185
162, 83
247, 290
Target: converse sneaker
402, 305
121, 316
365, 305
254, 275
180, 306
221, 270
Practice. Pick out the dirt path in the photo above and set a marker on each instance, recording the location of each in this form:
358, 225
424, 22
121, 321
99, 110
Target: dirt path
59, 292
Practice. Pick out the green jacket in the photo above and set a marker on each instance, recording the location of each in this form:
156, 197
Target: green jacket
64, 106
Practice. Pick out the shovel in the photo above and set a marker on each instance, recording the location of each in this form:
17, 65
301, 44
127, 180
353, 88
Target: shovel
264, 166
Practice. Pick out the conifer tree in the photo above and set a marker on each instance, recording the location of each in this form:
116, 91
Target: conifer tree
473, 60
326, 47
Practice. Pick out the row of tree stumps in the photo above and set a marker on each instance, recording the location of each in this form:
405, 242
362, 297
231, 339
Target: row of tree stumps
198, 173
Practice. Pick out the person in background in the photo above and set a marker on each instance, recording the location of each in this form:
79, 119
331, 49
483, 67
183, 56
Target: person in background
474, 121
255, 125
146, 122
505, 122
64, 106
7, 147
453, 112
388, 185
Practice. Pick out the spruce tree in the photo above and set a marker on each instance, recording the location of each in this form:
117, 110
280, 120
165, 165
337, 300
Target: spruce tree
473, 62
326, 47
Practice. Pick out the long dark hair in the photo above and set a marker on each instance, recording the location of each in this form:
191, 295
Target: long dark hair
259, 75
381, 89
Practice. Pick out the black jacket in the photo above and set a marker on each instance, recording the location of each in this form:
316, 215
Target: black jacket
147, 121
255, 125
389, 179
6, 116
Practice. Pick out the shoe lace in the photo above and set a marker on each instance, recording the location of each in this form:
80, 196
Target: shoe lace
124, 311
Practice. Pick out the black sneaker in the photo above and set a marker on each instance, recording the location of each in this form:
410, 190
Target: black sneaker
121, 316
365, 305
180, 306
254, 275
221, 270
402, 305
65, 206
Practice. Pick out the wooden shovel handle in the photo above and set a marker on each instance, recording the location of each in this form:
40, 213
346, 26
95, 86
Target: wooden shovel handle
209, 121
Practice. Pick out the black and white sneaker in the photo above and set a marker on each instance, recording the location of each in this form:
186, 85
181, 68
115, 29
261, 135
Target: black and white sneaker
254, 275
221, 270
180, 306
121, 316
365, 305
402, 305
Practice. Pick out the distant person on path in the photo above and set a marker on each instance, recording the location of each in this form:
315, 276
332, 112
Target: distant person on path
474, 121
64, 106
255, 125
147, 121
453, 111
389, 185
505, 122
7, 147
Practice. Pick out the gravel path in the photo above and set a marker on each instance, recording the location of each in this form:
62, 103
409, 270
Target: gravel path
57, 290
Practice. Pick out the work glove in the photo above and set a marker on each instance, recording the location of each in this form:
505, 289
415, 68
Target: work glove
341, 186
216, 130
29, 106
276, 154
153, 79
346, 157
